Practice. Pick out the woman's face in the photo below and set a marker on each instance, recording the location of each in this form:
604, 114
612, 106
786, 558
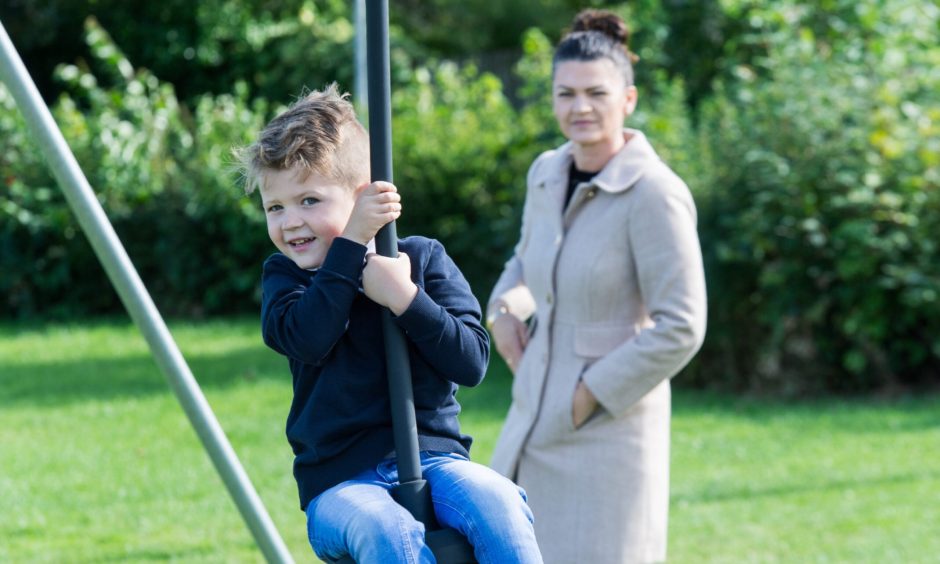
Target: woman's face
591, 102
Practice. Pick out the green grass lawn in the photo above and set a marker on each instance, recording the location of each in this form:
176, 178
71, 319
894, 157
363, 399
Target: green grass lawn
99, 464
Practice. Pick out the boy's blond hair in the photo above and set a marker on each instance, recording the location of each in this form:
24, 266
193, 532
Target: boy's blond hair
319, 133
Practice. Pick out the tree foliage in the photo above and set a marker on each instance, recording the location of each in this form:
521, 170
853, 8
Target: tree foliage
820, 221
809, 134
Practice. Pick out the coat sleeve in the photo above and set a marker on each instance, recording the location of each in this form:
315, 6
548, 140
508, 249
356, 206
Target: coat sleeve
303, 315
668, 259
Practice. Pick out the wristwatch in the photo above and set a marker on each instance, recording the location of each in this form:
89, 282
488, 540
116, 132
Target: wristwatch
500, 310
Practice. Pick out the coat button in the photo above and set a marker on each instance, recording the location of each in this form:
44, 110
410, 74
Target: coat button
558, 239
548, 298
592, 192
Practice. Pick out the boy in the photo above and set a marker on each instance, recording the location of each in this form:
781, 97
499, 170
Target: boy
321, 307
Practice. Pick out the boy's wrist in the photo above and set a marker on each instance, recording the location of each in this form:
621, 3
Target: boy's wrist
345, 257
407, 298
354, 237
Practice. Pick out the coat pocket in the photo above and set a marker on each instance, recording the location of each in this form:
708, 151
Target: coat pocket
595, 340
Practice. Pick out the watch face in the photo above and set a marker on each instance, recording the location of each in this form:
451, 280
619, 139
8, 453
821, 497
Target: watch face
501, 310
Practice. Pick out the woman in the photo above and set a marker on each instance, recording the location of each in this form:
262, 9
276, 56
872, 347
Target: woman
602, 302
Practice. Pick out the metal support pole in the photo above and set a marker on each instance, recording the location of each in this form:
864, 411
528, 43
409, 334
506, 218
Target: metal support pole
360, 81
412, 493
134, 295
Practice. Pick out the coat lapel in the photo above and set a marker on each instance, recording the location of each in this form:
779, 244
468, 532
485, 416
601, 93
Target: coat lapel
628, 165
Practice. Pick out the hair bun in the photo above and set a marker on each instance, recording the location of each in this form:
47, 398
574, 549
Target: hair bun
608, 23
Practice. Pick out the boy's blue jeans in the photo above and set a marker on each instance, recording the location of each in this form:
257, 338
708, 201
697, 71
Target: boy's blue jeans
359, 517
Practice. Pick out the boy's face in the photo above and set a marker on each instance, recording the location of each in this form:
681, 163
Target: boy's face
304, 217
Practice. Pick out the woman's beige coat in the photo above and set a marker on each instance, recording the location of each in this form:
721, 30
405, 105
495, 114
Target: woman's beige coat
616, 292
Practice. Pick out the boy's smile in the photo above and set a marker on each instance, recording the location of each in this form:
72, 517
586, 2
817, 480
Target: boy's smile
304, 216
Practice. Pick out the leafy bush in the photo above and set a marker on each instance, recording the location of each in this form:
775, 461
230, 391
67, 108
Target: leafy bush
820, 226
200, 47
457, 166
814, 158
163, 177
462, 152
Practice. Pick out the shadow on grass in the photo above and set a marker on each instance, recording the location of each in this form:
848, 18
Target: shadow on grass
846, 414
100, 378
817, 486
160, 555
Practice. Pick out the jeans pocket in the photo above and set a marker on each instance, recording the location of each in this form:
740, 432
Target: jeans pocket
442, 454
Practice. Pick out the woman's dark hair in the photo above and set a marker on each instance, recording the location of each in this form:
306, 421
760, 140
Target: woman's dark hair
597, 34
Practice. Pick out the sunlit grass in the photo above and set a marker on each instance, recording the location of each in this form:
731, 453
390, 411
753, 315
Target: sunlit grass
824, 481
98, 462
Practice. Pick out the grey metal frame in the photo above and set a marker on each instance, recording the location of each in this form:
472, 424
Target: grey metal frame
137, 300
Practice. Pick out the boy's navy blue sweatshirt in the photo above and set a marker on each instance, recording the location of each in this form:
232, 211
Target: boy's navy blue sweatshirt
340, 420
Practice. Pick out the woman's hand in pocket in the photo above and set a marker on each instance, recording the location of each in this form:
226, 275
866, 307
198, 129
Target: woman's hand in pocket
583, 406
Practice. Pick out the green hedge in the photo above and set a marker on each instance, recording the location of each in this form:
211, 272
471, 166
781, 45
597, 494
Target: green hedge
164, 176
820, 224
814, 160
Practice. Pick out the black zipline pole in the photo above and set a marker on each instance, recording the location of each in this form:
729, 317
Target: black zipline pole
413, 492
